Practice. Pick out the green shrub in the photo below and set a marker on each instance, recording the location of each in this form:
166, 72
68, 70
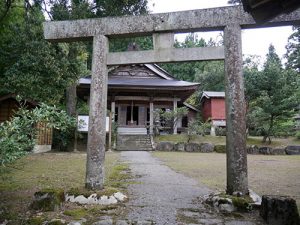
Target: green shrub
62, 140
220, 148
17, 136
298, 135
220, 131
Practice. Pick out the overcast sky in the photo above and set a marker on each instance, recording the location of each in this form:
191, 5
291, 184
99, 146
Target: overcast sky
254, 41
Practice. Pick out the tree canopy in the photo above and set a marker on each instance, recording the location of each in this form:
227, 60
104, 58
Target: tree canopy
272, 96
37, 69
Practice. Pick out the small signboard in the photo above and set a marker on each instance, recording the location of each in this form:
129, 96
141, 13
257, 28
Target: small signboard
83, 123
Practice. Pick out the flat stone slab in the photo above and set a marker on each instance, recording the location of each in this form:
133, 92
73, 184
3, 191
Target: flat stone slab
292, 150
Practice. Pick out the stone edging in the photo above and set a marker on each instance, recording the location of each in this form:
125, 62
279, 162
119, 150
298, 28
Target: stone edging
208, 147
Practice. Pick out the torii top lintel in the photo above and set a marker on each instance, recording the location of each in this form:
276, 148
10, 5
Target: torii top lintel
184, 21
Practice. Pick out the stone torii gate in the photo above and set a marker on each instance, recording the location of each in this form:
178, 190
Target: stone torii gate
162, 27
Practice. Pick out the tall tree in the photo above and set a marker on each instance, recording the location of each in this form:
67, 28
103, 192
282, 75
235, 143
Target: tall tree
293, 50
273, 96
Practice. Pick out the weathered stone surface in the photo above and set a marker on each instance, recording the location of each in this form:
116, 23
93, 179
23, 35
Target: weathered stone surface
220, 203
97, 116
255, 198
206, 147
144, 222
239, 222
48, 200
75, 223
278, 151
265, 150
94, 199
228, 208
107, 200
56, 222
192, 147
237, 174
104, 222
120, 197
220, 148
122, 222
134, 142
176, 21
292, 150
81, 199
279, 210
165, 55
179, 147
252, 149
165, 146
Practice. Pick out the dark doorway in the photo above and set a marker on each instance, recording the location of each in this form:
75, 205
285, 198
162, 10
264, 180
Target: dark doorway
134, 115
116, 114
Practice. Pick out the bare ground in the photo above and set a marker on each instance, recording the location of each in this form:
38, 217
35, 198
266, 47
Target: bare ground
278, 175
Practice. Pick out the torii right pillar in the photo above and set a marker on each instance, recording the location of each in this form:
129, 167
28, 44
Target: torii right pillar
237, 176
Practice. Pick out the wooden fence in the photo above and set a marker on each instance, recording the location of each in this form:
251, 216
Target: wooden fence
44, 134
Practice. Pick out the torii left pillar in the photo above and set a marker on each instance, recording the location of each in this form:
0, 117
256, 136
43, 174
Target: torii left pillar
97, 115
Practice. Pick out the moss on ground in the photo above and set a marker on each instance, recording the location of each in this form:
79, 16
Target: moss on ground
242, 204
186, 219
119, 176
76, 213
38, 220
39, 172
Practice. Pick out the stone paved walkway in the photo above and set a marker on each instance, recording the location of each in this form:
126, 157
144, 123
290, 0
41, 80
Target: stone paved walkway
162, 196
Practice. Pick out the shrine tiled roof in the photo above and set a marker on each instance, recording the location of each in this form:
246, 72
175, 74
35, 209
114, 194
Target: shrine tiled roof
137, 82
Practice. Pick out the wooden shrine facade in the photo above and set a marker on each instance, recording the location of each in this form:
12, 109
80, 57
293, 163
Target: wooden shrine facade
136, 91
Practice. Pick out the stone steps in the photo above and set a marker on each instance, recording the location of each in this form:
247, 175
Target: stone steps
134, 143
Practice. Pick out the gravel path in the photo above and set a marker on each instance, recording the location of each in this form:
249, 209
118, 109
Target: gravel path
162, 196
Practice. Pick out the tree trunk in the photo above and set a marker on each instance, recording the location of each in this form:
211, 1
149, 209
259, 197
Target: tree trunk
71, 99
268, 134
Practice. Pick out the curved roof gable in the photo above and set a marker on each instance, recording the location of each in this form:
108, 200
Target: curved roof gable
141, 71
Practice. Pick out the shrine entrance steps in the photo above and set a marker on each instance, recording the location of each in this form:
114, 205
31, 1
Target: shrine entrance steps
134, 142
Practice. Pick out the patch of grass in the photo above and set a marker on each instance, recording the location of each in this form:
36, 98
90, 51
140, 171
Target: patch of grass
186, 219
36, 172
258, 141
76, 214
221, 140
37, 220
118, 178
242, 203
277, 175
176, 138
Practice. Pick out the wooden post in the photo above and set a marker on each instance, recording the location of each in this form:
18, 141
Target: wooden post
113, 110
175, 118
97, 117
110, 131
151, 110
76, 133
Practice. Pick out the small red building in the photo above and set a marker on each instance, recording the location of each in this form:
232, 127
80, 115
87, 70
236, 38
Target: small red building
213, 108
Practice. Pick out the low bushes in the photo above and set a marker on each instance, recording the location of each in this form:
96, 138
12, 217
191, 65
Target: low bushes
17, 136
